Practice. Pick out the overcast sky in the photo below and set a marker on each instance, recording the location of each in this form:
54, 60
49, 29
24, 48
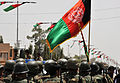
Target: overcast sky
105, 23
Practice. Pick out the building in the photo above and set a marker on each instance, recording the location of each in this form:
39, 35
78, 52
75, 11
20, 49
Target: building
6, 52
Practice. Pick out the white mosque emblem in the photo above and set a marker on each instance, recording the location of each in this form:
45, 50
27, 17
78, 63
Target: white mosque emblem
76, 15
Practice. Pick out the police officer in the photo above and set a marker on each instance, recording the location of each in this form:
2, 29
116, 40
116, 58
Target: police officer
33, 72
52, 69
20, 73
72, 74
8, 69
84, 72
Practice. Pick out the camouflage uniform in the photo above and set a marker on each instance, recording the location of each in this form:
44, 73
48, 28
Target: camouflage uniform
8, 68
84, 71
72, 75
34, 69
52, 68
52, 80
20, 73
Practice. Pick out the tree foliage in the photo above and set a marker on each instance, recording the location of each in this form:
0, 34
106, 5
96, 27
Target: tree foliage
40, 46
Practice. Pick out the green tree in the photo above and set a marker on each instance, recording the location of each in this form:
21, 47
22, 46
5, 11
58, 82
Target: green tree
40, 46
38, 38
30, 48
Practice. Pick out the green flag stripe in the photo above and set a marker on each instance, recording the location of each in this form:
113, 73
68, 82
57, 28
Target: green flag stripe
9, 8
58, 34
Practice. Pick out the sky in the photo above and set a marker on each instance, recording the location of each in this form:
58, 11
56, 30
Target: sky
105, 21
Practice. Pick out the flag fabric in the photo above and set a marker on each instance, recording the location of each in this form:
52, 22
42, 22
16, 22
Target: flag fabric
104, 57
93, 49
12, 7
68, 26
94, 52
99, 56
52, 26
1, 3
80, 41
98, 52
37, 24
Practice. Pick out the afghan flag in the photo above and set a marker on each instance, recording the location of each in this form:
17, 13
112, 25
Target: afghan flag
1, 3
37, 24
98, 52
52, 26
12, 7
93, 49
68, 26
99, 56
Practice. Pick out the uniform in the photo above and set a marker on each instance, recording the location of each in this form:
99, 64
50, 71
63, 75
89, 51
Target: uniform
52, 80
86, 79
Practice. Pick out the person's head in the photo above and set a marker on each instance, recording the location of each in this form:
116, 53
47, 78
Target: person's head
111, 69
94, 68
33, 68
9, 66
20, 70
52, 68
72, 66
101, 67
27, 52
84, 69
63, 64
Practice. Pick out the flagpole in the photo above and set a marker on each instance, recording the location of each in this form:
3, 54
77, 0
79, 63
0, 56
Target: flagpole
89, 31
17, 27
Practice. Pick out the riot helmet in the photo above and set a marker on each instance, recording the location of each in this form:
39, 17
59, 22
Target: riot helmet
33, 68
20, 67
94, 68
85, 67
9, 65
51, 67
72, 63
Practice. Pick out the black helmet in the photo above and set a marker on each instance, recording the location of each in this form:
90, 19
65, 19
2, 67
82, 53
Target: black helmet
85, 67
9, 65
51, 65
63, 64
40, 63
94, 67
100, 64
72, 63
33, 67
20, 60
20, 67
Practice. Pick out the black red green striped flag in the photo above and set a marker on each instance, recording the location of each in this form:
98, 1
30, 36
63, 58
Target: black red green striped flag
68, 26
12, 7
1, 3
